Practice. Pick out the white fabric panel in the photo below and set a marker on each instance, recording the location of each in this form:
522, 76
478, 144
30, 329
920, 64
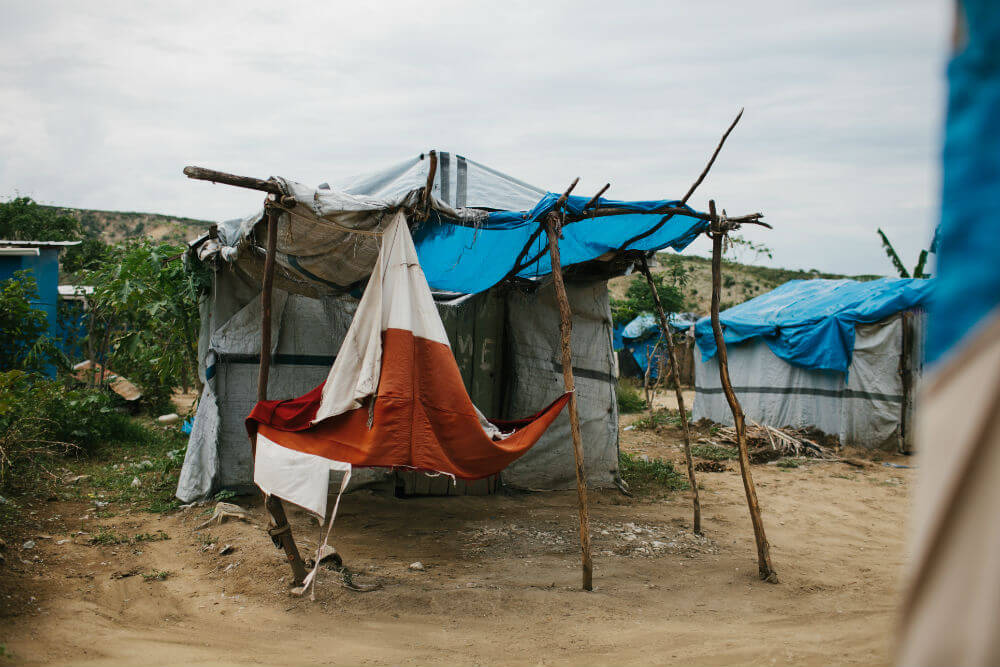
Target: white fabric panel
300, 478
397, 297
406, 296
863, 409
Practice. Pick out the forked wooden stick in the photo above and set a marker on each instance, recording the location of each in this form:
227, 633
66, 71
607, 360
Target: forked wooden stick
719, 228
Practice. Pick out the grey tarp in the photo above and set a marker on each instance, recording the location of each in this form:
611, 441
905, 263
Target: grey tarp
536, 376
509, 363
864, 408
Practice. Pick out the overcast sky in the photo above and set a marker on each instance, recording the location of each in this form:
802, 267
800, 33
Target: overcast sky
102, 104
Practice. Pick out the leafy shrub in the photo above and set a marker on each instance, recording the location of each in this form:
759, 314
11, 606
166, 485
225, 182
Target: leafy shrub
23, 219
145, 317
21, 324
648, 475
639, 299
629, 398
659, 418
43, 417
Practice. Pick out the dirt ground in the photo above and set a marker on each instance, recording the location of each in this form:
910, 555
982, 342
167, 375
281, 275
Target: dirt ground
500, 583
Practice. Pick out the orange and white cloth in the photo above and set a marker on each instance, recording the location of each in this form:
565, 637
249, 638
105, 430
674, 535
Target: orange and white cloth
394, 397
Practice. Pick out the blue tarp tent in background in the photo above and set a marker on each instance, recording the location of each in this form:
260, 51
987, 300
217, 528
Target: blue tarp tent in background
840, 356
639, 338
810, 323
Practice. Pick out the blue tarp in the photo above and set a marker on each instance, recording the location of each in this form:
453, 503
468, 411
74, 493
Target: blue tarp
967, 271
810, 323
639, 337
472, 259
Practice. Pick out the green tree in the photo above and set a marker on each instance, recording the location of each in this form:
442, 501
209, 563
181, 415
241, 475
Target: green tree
145, 317
639, 298
22, 219
21, 324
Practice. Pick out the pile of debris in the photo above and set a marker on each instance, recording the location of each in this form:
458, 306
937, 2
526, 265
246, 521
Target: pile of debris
767, 443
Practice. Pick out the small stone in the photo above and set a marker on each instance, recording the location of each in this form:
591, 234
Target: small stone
100, 503
43, 537
77, 478
136, 483
61, 541
172, 418
30, 544
417, 566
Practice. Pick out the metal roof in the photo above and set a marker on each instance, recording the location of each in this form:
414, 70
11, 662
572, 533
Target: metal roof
39, 244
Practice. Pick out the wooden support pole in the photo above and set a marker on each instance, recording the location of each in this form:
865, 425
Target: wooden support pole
766, 570
552, 227
281, 531
425, 197
672, 352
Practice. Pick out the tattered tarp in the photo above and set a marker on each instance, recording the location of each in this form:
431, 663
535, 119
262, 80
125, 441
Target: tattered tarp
640, 337
479, 222
394, 397
810, 323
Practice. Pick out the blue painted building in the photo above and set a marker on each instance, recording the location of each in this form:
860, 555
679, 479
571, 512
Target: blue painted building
41, 259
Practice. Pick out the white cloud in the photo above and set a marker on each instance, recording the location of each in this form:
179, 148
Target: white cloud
105, 103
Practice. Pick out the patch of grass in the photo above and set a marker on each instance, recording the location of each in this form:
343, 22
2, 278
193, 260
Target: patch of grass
629, 398
714, 452
654, 475
156, 575
225, 494
155, 459
787, 463
105, 537
659, 418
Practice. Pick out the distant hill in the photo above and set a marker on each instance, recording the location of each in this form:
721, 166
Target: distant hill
740, 282
115, 226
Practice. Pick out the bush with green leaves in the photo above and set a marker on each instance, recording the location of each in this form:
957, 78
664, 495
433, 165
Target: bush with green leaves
639, 298
629, 398
23, 219
145, 317
23, 344
41, 417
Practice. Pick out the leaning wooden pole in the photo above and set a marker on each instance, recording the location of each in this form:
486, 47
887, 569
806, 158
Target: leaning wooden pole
553, 225
718, 231
685, 427
280, 530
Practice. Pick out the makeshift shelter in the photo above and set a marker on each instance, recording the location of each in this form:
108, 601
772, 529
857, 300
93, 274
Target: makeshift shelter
840, 356
478, 242
640, 347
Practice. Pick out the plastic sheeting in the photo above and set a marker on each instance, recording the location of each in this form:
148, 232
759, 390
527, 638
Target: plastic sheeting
509, 367
640, 337
328, 242
535, 367
811, 323
863, 407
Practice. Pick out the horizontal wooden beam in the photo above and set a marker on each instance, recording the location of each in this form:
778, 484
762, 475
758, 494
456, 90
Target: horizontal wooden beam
248, 182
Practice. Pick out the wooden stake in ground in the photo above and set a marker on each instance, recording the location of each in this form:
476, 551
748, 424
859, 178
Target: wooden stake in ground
280, 530
718, 231
672, 352
553, 225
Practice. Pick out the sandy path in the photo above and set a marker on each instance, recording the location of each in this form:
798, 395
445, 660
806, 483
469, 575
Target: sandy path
500, 584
